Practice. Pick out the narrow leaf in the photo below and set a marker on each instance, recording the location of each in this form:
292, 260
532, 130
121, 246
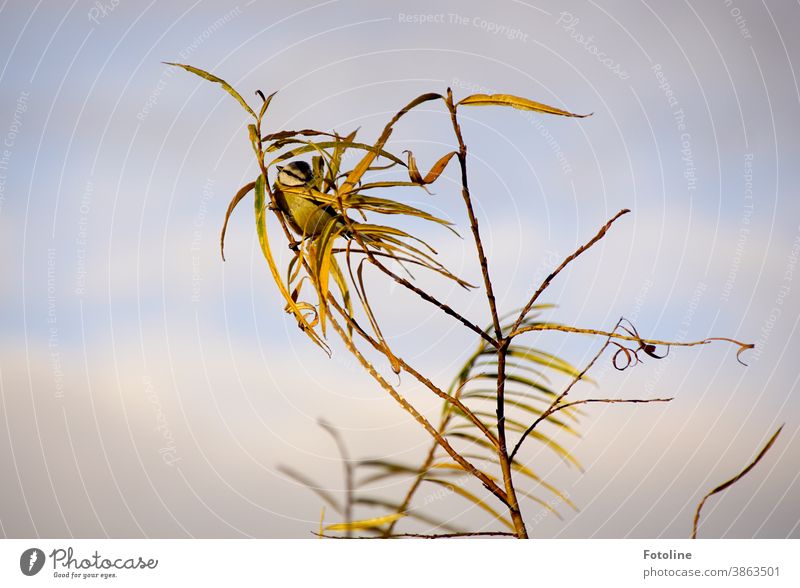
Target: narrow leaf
733, 480
212, 78
355, 176
515, 102
296, 309
365, 523
412, 514
243, 191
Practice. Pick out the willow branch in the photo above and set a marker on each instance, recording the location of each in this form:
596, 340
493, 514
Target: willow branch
733, 480
473, 221
612, 401
567, 329
502, 344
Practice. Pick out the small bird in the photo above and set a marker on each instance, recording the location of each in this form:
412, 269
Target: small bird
307, 217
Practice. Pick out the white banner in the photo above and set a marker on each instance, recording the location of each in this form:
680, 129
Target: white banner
331, 563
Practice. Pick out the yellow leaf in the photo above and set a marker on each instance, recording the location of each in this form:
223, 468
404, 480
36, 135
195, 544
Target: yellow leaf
236, 199
433, 175
355, 175
365, 523
515, 102
295, 308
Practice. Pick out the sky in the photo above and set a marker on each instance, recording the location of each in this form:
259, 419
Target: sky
149, 389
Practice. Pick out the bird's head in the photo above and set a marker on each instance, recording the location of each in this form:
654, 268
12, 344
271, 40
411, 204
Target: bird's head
295, 174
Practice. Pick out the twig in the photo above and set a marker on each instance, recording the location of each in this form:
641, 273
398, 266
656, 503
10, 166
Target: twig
473, 221
561, 396
431, 299
564, 264
612, 401
567, 329
588, 401
733, 480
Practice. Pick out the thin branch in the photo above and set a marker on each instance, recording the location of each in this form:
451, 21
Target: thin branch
564, 264
423, 536
473, 221
612, 401
733, 480
566, 391
502, 344
486, 480
588, 401
567, 329
433, 300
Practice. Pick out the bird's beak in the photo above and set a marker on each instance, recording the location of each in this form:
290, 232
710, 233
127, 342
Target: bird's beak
279, 167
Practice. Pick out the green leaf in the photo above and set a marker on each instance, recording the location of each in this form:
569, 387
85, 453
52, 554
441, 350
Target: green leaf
523, 381
212, 78
544, 359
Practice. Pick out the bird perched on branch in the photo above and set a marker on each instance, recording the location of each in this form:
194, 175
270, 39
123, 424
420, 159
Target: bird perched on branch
307, 216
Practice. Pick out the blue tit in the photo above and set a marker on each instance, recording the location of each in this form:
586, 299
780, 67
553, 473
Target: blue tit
307, 217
